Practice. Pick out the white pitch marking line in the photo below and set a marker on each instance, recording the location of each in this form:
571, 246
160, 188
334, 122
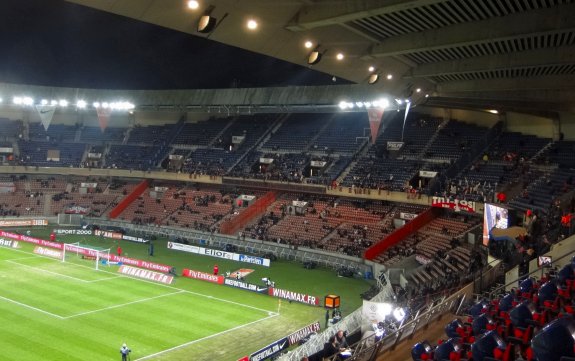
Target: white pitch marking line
204, 338
123, 304
31, 307
46, 271
157, 284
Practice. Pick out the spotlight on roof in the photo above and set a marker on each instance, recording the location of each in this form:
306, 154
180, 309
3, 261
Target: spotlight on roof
193, 4
314, 57
339, 56
493, 111
81, 104
63, 103
308, 44
343, 105
206, 24
17, 100
427, 95
389, 76
252, 24
371, 69
418, 90
373, 78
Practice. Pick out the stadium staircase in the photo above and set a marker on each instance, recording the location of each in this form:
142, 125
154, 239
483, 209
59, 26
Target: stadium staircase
323, 128
124, 203
431, 140
402, 233
222, 132
47, 205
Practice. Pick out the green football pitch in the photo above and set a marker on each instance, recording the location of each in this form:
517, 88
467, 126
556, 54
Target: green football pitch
54, 310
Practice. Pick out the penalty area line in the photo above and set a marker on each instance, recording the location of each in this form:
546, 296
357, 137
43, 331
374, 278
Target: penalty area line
204, 338
31, 307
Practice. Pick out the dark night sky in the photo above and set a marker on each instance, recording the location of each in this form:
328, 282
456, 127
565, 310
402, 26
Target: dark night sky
52, 42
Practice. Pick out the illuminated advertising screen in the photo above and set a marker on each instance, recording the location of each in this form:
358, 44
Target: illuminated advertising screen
494, 216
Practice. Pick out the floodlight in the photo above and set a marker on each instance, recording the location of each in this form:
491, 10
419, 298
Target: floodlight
493, 111
399, 314
96, 104
27, 101
371, 69
314, 57
81, 104
308, 44
398, 101
53, 102
342, 105
367, 104
427, 95
418, 90
383, 103
105, 105
373, 78
359, 104
339, 56
252, 24
385, 309
206, 24
63, 103
44, 102
389, 76
17, 100
193, 4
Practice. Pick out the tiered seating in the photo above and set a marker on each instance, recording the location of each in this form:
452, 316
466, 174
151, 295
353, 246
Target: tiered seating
561, 153
340, 135
200, 133
532, 322
10, 128
95, 134
212, 161
21, 204
454, 139
541, 192
47, 184
133, 157
55, 132
523, 146
252, 127
151, 134
296, 132
96, 204
375, 173
36, 153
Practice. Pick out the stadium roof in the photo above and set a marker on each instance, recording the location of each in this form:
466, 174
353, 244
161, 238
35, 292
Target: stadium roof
502, 54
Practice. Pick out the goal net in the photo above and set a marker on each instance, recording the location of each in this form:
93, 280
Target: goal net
86, 252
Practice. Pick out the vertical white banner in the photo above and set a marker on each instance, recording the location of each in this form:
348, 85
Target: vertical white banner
46, 113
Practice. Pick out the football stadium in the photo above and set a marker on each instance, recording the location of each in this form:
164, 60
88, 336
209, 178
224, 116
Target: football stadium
287, 180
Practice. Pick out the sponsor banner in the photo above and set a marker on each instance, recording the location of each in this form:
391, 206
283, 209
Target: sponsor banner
175, 157
108, 234
245, 285
183, 247
300, 334
42, 251
266, 160
94, 155
294, 296
407, 216
427, 174
241, 273
88, 185
394, 145
146, 274
6, 150
300, 204
8, 243
269, 350
255, 260
238, 139
23, 222
161, 189
318, 163
219, 254
454, 204
76, 209
118, 235
84, 232
88, 252
29, 239
190, 273
46, 113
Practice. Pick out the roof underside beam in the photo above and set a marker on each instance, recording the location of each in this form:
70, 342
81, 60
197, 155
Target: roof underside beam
328, 13
532, 58
539, 22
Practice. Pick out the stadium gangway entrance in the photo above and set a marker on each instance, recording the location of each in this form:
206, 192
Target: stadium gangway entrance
248, 245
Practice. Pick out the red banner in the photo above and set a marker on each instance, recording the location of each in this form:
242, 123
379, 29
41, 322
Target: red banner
103, 117
454, 204
190, 273
375, 115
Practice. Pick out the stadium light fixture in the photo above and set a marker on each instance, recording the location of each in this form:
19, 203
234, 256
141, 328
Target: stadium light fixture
17, 100
193, 4
340, 56
315, 56
63, 103
399, 314
373, 78
206, 24
493, 111
371, 69
81, 104
105, 105
308, 44
53, 102
252, 24
418, 90
96, 104
342, 105
27, 101
44, 102
389, 76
